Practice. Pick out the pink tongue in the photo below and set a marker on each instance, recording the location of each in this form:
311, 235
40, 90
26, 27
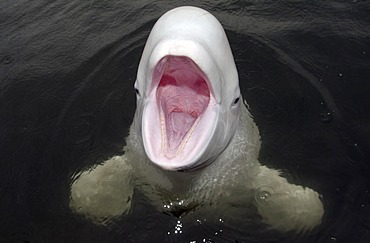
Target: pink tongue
181, 124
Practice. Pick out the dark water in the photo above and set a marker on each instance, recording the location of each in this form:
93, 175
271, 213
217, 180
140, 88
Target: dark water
66, 102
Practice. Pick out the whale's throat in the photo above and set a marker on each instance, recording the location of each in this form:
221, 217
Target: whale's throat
182, 98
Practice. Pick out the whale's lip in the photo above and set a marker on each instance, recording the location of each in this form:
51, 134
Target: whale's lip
179, 115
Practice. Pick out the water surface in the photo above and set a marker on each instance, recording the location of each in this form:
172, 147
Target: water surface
66, 99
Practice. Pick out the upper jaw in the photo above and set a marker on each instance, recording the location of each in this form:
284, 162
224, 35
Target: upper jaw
192, 49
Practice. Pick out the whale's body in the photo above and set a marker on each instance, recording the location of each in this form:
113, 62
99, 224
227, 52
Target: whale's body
192, 143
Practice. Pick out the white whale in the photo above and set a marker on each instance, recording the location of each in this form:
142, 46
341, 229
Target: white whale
192, 142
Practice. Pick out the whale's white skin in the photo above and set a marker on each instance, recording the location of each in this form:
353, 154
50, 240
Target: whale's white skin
217, 153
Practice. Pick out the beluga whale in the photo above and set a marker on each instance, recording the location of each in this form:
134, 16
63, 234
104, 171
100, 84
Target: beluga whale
193, 145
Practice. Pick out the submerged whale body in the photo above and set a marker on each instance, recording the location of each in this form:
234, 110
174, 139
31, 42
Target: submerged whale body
190, 118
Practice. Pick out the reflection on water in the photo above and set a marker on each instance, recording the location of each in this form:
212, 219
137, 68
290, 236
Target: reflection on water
66, 102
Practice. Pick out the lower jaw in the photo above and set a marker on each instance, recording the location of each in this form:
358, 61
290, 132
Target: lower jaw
166, 148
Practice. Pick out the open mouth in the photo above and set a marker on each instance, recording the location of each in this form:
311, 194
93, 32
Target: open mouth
182, 97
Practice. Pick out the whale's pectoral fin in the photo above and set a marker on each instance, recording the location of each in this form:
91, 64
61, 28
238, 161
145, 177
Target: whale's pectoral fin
103, 192
284, 206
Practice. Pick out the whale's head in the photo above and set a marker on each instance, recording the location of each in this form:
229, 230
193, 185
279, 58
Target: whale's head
187, 87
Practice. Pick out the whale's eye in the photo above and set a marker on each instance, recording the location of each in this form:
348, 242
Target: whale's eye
236, 101
137, 92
